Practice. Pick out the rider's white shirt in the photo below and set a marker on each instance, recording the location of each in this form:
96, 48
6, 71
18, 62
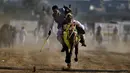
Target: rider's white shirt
78, 23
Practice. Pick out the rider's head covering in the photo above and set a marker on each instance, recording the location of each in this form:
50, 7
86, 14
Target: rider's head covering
54, 7
67, 9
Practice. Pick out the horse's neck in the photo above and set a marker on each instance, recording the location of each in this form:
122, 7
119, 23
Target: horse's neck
68, 25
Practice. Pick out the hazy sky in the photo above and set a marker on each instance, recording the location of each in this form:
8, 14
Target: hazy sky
82, 5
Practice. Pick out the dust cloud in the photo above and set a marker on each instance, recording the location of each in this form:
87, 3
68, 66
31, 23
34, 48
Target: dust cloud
112, 56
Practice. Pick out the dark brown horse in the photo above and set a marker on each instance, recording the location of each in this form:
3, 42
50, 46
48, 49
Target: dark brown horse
71, 40
7, 35
4, 31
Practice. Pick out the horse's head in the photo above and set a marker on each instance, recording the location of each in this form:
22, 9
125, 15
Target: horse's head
68, 17
70, 25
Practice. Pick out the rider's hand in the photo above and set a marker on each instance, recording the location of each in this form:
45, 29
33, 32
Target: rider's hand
49, 32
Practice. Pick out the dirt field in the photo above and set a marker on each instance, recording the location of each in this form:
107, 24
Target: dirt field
22, 59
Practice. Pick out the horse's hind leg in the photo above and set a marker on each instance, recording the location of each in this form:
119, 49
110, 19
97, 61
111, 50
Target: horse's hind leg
76, 52
69, 51
67, 58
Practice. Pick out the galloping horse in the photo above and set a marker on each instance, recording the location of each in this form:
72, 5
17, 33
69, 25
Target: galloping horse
5, 35
115, 37
99, 35
45, 18
44, 22
71, 39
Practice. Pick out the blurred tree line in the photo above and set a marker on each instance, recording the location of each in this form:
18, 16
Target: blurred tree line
36, 6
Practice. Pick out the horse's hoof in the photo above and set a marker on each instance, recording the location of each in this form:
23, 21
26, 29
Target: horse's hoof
68, 66
76, 59
34, 69
65, 69
63, 50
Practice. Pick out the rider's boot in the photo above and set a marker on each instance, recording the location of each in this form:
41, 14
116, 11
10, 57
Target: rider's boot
82, 41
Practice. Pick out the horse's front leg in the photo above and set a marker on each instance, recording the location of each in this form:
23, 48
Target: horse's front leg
76, 52
72, 43
69, 55
68, 58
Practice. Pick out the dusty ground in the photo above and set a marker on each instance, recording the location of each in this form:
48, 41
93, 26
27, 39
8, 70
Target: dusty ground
22, 59
51, 60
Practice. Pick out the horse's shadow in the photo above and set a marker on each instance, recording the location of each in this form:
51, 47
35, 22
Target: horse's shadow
60, 70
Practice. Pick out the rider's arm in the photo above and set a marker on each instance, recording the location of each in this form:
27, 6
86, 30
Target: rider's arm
79, 24
49, 33
80, 27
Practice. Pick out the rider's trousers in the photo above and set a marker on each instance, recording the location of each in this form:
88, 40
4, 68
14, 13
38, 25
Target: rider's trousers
59, 35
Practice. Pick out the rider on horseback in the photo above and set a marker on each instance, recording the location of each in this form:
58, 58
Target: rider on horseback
69, 25
99, 35
71, 37
59, 15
